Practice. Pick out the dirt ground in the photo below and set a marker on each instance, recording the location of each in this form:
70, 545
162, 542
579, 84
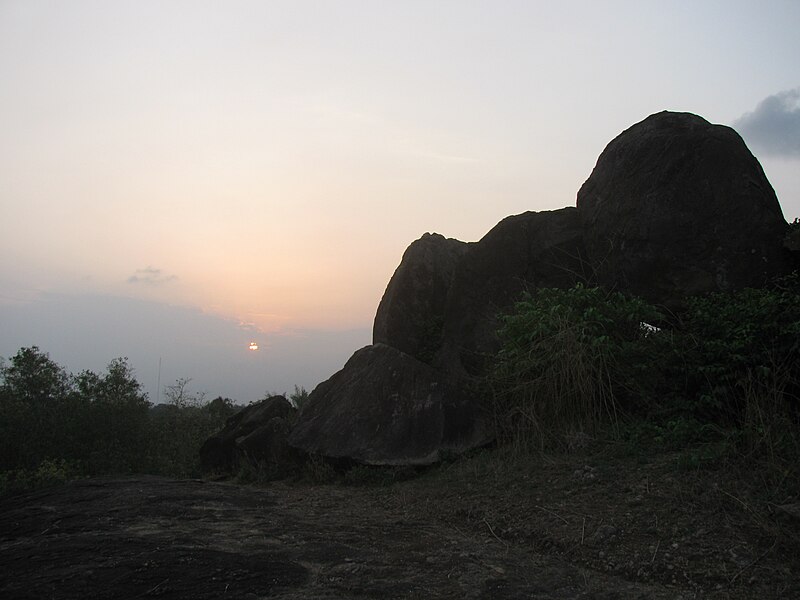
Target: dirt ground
558, 528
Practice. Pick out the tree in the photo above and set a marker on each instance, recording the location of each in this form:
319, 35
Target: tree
33, 378
178, 394
114, 414
33, 392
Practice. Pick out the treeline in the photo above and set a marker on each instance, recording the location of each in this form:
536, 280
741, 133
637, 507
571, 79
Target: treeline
57, 426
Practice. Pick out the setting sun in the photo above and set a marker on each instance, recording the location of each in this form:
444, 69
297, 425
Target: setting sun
253, 346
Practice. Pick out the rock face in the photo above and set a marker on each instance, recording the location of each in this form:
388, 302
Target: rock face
442, 302
257, 432
410, 316
677, 206
387, 408
534, 249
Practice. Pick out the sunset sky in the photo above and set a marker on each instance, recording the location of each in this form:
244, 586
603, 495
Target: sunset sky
178, 178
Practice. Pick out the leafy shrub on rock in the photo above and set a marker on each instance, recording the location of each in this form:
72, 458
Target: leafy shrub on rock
733, 341
725, 374
570, 359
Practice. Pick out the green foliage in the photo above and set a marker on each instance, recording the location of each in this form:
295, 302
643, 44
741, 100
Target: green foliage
33, 379
731, 339
299, 397
719, 386
33, 392
179, 428
109, 414
569, 357
55, 426
50, 472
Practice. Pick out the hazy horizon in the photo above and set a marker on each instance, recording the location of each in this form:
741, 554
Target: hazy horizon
178, 179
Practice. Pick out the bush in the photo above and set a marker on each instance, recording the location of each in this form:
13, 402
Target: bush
299, 398
50, 472
731, 342
723, 380
178, 429
569, 361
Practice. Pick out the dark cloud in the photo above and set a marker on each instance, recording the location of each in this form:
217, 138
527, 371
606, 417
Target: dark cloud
151, 276
774, 126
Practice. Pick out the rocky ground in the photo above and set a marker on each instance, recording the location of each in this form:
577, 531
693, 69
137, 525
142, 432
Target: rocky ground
551, 527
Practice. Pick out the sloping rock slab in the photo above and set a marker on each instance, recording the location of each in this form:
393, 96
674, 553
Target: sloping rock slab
257, 432
387, 408
411, 313
677, 206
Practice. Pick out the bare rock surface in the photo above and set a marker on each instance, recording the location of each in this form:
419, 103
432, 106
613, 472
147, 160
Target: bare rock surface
677, 206
410, 315
385, 407
478, 530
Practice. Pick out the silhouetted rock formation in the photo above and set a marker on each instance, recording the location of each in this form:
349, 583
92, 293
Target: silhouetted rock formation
677, 206
387, 408
410, 316
257, 432
534, 249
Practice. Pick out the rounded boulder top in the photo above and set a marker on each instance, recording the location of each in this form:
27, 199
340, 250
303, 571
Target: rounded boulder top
678, 206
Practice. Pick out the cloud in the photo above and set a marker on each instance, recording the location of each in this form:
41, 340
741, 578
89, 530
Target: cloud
774, 126
150, 276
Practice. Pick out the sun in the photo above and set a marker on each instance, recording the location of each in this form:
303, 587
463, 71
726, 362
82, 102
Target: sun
253, 346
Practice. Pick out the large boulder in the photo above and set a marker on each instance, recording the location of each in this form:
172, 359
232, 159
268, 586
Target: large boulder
257, 432
385, 407
410, 315
522, 252
677, 206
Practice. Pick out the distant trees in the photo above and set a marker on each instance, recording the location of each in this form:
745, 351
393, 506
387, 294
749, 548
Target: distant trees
52, 422
179, 427
95, 422
34, 392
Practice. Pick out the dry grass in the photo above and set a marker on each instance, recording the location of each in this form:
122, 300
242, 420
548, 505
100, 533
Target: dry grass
566, 396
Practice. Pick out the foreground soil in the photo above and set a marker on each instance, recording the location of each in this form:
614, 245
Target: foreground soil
564, 527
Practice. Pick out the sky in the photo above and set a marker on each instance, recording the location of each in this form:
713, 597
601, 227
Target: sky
180, 178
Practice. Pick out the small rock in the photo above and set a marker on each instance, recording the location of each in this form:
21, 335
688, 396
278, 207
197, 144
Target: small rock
604, 532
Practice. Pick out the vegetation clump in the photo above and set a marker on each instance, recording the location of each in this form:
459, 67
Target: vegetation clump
55, 426
722, 374
568, 364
